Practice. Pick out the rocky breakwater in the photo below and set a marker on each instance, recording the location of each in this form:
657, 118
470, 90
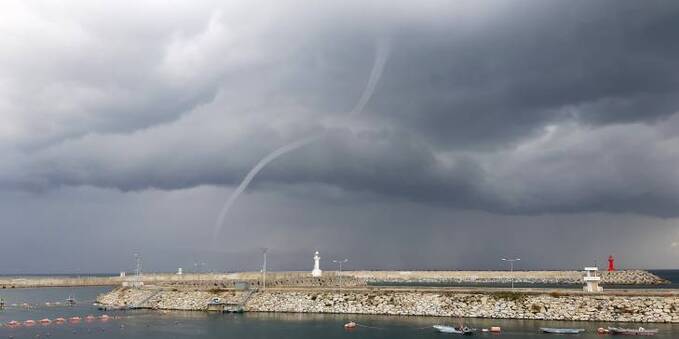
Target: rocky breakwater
544, 306
626, 277
480, 305
167, 299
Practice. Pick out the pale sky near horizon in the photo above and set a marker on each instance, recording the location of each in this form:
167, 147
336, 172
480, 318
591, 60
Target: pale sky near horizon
546, 130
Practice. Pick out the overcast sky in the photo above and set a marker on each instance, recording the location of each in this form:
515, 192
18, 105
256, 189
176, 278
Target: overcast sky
545, 130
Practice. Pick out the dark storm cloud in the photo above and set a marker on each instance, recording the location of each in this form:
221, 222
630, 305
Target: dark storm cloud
528, 107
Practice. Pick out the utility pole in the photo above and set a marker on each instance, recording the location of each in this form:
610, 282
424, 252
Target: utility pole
264, 250
340, 262
511, 268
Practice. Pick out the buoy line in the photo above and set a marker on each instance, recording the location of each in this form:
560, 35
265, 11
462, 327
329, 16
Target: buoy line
57, 321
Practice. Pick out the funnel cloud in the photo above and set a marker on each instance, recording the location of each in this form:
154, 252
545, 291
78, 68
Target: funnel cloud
443, 135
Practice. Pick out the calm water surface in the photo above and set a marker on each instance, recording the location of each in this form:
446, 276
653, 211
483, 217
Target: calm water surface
158, 324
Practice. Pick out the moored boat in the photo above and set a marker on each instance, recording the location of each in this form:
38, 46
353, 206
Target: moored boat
631, 331
454, 330
562, 330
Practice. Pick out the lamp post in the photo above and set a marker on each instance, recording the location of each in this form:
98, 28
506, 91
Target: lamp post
511, 268
340, 262
264, 250
138, 268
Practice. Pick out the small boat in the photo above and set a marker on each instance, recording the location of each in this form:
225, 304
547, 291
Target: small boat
562, 330
631, 331
350, 324
454, 330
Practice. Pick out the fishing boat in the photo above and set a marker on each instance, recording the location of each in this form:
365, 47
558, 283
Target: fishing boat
454, 330
631, 331
562, 330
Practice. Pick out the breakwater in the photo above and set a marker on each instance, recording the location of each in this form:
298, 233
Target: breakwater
350, 278
625, 277
501, 304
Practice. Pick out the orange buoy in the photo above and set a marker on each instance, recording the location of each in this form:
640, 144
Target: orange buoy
495, 329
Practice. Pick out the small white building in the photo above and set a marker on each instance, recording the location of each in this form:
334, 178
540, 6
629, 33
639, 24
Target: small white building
316, 272
592, 280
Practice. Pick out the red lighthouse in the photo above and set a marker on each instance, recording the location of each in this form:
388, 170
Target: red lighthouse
611, 263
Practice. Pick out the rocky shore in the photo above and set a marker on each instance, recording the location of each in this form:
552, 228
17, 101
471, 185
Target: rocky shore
547, 306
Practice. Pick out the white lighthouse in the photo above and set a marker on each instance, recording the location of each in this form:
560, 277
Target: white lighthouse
316, 272
592, 280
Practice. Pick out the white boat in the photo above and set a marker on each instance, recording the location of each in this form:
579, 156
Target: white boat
562, 330
454, 330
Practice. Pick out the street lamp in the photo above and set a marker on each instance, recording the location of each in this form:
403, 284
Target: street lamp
340, 262
264, 250
511, 268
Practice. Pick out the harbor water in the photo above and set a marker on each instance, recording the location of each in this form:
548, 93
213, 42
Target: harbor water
36, 304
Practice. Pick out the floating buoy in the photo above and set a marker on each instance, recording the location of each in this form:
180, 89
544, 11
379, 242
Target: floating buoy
13, 323
350, 325
29, 322
74, 319
601, 330
45, 321
104, 317
59, 320
90, 317
496, 329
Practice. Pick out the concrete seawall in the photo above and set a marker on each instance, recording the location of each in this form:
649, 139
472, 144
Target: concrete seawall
351, 278
626, 277
481, 303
